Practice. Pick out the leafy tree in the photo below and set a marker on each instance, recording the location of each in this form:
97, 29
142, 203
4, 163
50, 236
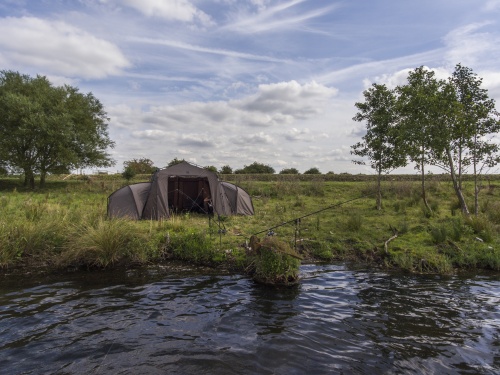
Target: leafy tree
210, 168
380, 144
44, 129
226, 169
140, 166
417, 108
312, 170
478, 120
175, 161
289, 171
446, 140
255, 168
128, 173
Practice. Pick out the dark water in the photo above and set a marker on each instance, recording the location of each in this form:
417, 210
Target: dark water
337, 321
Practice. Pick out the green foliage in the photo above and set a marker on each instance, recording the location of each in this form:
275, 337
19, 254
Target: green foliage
192, 246
105, 243
211, 168
139, 166
276, 263
319, 250
255, 168
439, 234
128, 173
46, 129
382, 143
313, 170
45, 228
226, 169
482, 227
289, 171
174, 161
354, 222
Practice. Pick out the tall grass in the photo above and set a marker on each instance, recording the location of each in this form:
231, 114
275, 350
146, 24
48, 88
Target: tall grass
66, 225
106, 243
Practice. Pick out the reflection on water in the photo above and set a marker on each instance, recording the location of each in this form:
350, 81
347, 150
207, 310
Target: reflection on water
179, 322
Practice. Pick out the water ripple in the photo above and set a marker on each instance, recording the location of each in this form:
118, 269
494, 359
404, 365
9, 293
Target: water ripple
336, 321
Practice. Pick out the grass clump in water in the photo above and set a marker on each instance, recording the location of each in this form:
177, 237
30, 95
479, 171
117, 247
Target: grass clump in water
276, 263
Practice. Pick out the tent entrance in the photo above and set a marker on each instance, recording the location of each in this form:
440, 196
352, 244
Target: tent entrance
189, 194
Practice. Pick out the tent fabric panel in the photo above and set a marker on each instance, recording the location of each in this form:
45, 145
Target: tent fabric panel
157, 203
121, 203
140, 192
240, 200
232, 195
245, 205
219, 199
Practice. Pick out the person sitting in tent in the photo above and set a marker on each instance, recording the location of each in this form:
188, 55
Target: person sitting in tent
207, 202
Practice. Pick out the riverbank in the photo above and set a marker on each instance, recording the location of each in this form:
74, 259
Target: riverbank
64, 227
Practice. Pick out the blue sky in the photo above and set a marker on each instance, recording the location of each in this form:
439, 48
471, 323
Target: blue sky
230, 82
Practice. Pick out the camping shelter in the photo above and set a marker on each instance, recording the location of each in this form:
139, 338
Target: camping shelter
180, 187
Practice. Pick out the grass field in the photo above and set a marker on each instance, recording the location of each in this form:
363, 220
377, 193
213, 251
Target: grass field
64, 226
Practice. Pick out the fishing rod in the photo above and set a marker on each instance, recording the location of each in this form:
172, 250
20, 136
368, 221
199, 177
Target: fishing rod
297, 219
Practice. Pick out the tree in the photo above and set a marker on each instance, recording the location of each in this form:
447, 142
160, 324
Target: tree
175, 161
289, 171
211, 168
128, 173
417, 108
45, 128
477, 121
226, 169
140, 166
312, 170
255, 168
380, 144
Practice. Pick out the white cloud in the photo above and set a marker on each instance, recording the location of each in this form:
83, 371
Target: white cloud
275, 18
470, 47
288, 99
254, 139
295, 134
491, 5
174, 10
57, 48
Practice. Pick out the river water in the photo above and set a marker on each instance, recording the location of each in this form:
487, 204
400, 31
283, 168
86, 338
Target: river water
181, 321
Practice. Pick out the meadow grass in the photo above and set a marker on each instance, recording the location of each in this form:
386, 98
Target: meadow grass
65, 226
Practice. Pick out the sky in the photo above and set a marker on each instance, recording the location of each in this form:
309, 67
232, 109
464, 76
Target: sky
231, 82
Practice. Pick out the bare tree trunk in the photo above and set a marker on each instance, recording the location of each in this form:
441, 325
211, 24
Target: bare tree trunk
379, 189
29, 178
476, 187
43, 175
424, 197
456, 184
460, 166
